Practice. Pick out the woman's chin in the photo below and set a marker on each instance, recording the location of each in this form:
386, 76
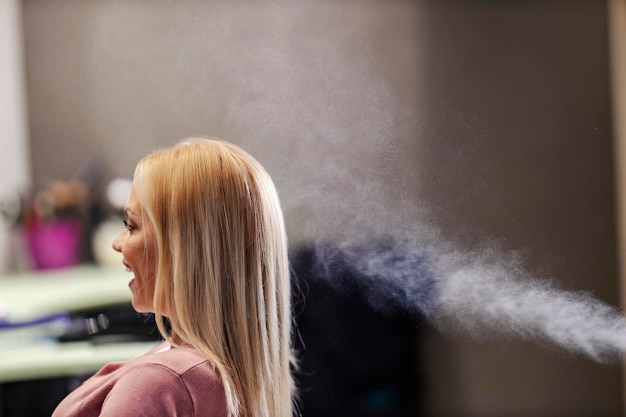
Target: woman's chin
140, 301
140, 307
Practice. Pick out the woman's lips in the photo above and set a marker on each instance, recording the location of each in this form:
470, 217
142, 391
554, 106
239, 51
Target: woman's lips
128, 269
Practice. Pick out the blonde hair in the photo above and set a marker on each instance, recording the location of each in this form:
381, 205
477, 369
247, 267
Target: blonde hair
222, 276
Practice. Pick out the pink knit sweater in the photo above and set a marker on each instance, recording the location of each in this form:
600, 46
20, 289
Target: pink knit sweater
176, 382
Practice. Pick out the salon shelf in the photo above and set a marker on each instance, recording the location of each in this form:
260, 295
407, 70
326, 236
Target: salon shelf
31, 352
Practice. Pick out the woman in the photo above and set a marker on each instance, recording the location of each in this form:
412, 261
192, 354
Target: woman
206, 242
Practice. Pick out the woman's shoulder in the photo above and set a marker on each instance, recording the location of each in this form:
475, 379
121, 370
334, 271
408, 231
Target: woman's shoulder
179, 381
178, 378
180, 360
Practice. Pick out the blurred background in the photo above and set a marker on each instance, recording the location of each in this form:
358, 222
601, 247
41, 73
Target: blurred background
486, 120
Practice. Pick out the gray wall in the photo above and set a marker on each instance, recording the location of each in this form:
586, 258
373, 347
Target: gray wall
488, 120
517, 103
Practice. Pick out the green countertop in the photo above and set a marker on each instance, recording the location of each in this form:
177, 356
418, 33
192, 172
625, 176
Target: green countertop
26, 296
64, 359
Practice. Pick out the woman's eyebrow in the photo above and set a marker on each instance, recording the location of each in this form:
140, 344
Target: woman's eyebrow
128, 211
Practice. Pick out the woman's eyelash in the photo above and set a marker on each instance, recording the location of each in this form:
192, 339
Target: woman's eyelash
127, 225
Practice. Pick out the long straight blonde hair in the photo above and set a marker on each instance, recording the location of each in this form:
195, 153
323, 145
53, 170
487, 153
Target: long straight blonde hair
222, 277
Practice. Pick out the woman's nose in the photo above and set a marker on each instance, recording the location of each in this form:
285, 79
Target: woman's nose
117, 243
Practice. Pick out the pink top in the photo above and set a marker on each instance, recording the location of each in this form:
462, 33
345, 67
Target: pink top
175, 382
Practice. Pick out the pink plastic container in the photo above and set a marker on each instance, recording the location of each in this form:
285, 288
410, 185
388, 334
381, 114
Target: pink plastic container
54, 244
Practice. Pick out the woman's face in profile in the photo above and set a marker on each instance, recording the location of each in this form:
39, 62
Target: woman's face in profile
138, 248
